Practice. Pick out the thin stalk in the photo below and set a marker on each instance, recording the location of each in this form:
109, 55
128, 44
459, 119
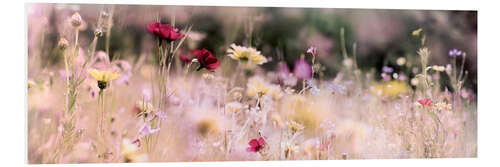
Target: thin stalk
108, 29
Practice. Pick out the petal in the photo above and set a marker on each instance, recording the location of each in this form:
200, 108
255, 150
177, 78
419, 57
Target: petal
253, 143
175, 36
114, 76
153, 27
251, 149
213, 66
96, 74
261, 141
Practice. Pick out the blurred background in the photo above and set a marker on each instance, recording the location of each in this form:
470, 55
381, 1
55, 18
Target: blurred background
281, 34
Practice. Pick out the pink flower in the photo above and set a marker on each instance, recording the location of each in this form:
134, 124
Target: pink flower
256, 145
165, 31
425, 102
206, 59
302, 69
312, 50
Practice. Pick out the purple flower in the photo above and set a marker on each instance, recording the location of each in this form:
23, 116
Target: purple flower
146, 130
454, 53
161, 115
385, 77
402, 77
283, 71
387, 69
284, 76
63, 75
302, 69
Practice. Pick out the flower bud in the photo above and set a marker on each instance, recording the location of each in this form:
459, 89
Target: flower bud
401, 61
98, 32
63, 43
76, 20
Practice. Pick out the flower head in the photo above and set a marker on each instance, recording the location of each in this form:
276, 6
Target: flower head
302, 69
438, 68
207, 126
206, 59
103, 77
130, 152
63, 43
425, 102
257, 87
454, 53
401, 61
387, 69
255, 145
246, 54
146, 130
165, 31
294, 126
312, 50
31, 84
76, 20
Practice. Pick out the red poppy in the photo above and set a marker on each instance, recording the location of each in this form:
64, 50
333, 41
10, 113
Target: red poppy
206, 59
425, 102
256, 145
164, 31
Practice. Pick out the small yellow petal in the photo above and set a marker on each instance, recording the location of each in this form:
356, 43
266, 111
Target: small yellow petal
96, 74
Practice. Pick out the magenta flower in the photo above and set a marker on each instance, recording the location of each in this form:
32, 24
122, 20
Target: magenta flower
206, 59
312, 50
302, 69
255, 145
165, 31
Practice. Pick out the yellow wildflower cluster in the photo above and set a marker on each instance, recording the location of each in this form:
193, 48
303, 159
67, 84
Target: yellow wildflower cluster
256, 87
391, 89
246, 54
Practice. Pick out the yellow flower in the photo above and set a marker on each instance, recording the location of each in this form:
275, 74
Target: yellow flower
31, 84
442, 106
401, 61
103, 77
391, 89
290, 149
143, 106
207, 126
276, 118
416, 32
130, 152
233, 106
257, 87
246, 54
438, 68
294, 126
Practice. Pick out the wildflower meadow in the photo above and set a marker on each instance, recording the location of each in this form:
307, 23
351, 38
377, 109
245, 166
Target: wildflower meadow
151, 83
